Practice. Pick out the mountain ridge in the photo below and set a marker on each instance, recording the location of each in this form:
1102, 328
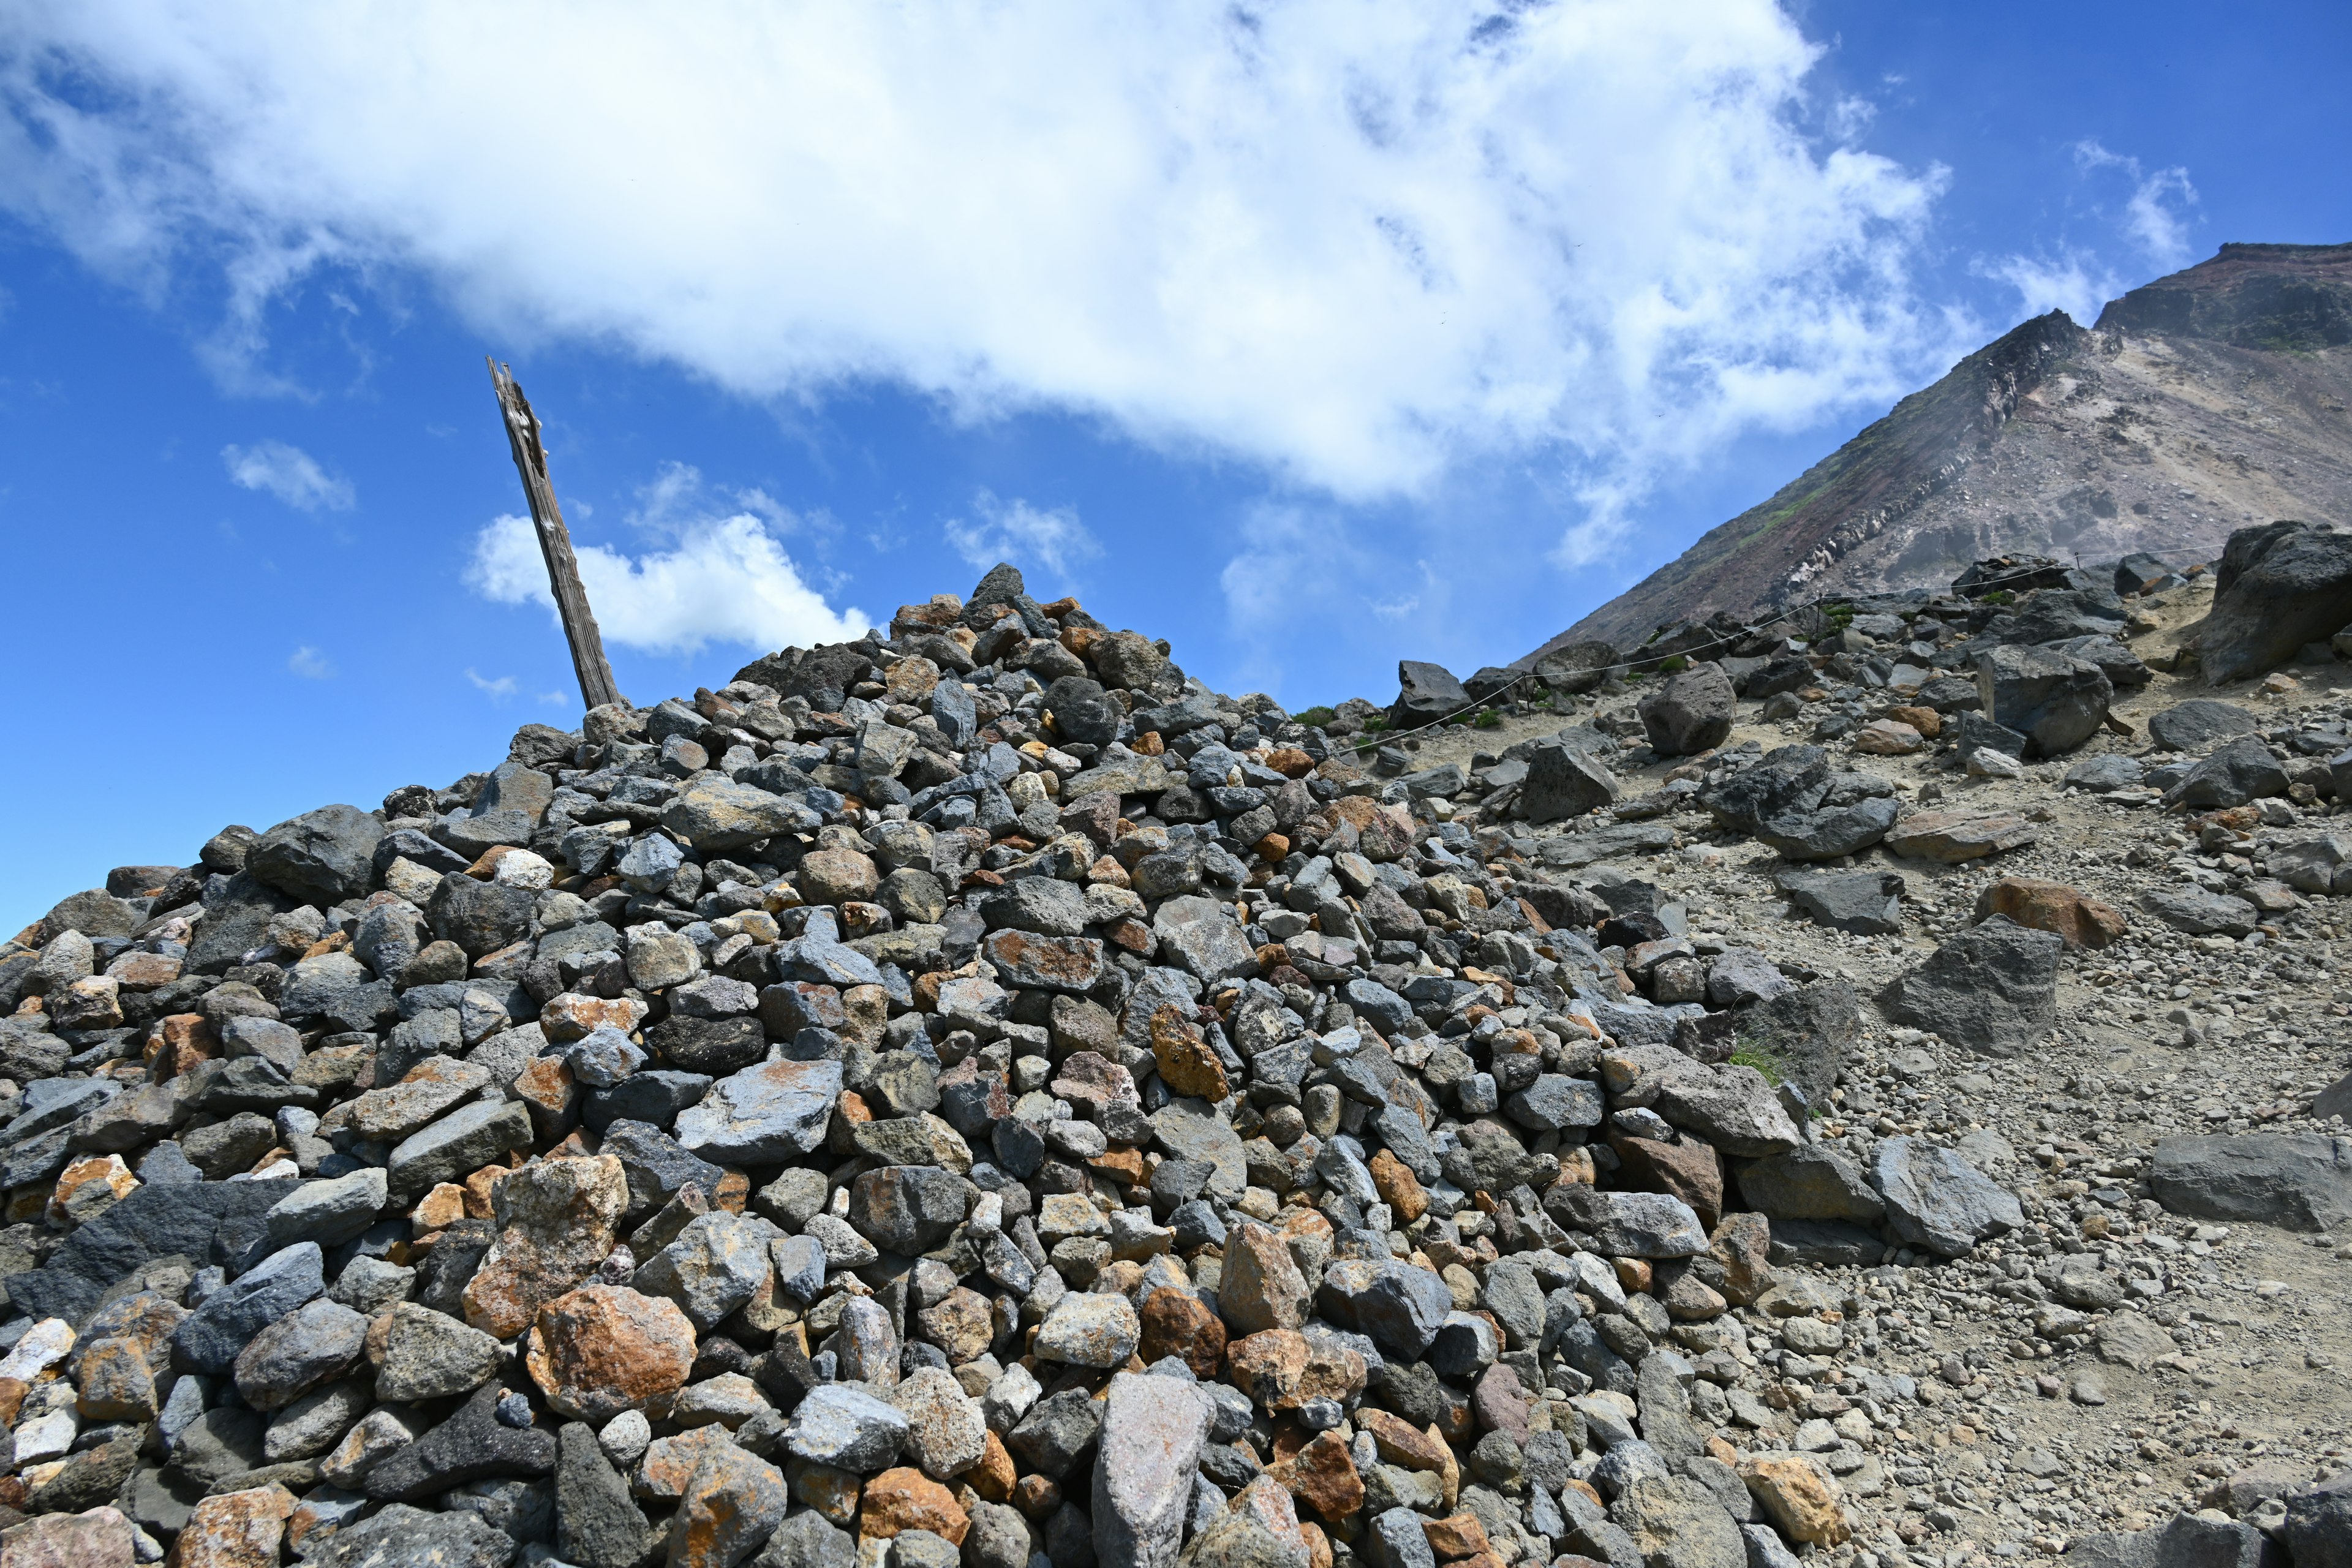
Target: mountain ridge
2200, 401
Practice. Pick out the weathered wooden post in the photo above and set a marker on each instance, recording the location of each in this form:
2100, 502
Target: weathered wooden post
587, 643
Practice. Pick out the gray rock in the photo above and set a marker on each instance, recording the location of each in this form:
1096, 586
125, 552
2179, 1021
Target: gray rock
1428, 692
472, 1444
1554, 1102
1000, 1537
309, 1426
2200, 912
432, 1355
2101, 775
1146, 1458
1733, 1108
715, 1264
1044, 905
2317, 1532
805, 1539
1972, 733
907, 1209
1866, 903
1578, 666
2241, 772
218, 1330
2297, 1181
1190, 1130
1400, 1307
235, 923
315, 1342
480, 917
1937, 1200
2053, 699
201, 1219
457, 1145
1691, 712
1054, 1435
1993, 988
2199, 724
847, 1428
405, 1537
1395, 1540
763, 1115
327, 1212
1765, 1549
1812, 1182
1628, 1225
1790, 779
2279, 586
1824, 835
220, 1443
320, 858
716, 813
1200, 934
1675, 1522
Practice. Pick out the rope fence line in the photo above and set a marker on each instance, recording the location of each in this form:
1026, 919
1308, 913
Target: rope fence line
1721, 642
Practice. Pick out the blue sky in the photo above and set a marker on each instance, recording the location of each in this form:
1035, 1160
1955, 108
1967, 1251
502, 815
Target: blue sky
1310, 337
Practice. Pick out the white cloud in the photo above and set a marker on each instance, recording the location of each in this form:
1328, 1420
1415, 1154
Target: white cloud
722, 579
497, 690
310, 664
2072, 281
2077, 277
290, 474
1358, 244
1024, 534
2149, 212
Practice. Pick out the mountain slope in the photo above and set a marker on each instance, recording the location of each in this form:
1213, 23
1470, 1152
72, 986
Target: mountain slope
2197, 402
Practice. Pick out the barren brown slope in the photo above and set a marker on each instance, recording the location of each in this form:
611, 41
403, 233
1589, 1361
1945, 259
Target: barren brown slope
2197, 402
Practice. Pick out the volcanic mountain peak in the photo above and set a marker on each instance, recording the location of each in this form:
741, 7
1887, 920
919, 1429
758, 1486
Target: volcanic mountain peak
2200, 401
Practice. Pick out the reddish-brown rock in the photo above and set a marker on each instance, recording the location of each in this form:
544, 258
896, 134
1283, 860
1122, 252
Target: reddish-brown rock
1690, 1170
1459, 1535
603, 1349
1398, 1187
1323, 1477
905, 1499
1283, 1369
1501, 1404
1179, 1323
1187, 1064
2075, 916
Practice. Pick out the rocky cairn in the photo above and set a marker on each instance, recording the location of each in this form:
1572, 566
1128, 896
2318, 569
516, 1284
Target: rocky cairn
976, 1096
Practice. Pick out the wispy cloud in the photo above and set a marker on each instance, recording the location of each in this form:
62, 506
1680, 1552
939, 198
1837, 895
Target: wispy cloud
2154, 213
288, 473
2080, 274
1025, 535
310, 664
497, 690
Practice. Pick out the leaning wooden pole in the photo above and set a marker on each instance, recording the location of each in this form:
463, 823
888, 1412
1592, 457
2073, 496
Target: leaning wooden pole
588, 661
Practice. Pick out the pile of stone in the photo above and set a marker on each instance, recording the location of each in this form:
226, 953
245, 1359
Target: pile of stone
973, 1095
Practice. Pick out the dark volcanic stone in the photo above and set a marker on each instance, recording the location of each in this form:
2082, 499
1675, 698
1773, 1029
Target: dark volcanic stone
598, 1525
406, 1537
470, 1444
1993, 988
2279, 586
207, 1223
